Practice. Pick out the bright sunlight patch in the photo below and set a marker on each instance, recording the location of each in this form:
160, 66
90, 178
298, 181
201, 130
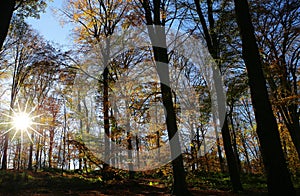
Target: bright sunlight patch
22, 122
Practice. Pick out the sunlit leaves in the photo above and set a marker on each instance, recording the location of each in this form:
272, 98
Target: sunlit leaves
95, 19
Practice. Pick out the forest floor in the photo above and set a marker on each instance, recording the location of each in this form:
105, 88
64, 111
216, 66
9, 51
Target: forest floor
55, 184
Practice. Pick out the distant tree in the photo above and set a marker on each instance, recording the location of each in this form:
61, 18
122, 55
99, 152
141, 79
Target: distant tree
97, 22
214, 20
279, 180
23, 57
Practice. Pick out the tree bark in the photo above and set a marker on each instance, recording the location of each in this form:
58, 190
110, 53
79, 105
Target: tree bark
279, 180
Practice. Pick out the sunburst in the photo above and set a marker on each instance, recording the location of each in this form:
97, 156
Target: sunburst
22, 122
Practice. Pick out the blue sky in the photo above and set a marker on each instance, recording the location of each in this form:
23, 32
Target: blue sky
49, 26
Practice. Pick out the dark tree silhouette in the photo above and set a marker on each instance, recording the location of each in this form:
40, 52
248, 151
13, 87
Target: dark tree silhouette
158, 39
279, 181
6, 11
213, 45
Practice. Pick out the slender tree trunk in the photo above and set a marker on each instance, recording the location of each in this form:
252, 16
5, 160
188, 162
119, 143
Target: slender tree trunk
294, 129
69, 152
18, 155
7, 8
158, 39
279, 179
231, 160
30, 154
198, 145
137, 143
6, 138
106, 117
129, 141
243, 140
64, 137
4, 156
213, 47
220, 156
37, 160
234, 143
51, 147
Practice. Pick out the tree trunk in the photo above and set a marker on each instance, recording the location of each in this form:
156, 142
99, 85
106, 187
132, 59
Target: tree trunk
213, 47
220, 156
293, 127
157, 35
51, 147
106, 117
129, 141
30, 154
231, 160
234, 143
161, 58
279, 180
137, 150
243, 140
7, 8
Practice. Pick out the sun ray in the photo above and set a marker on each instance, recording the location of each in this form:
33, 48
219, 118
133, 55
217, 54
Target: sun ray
9, 116
25, 109
6, 123
33, 109
36, 123
29, 136
36, 116
35, 131
7, 131
14, 135
22, 121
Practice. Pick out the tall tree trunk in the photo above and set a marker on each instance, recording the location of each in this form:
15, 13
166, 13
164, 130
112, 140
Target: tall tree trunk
137, 143
293, 126
213, 47
220, 156
37, 160
234, 142
6, 138
157, 35
7, 8
106, 116
279, 180
4, 156
51, 147
106, 54
129, 141
231, 159
30, 154
243, 140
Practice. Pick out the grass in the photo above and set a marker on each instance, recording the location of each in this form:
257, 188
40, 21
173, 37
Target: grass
52, 181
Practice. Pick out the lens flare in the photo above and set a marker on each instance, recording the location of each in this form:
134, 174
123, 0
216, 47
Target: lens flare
22, 122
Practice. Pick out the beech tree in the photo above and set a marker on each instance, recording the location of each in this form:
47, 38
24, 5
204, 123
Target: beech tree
279, 180
156, 28
278, 42
97, 22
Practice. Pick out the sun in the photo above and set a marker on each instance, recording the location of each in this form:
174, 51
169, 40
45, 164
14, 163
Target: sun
22, 122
